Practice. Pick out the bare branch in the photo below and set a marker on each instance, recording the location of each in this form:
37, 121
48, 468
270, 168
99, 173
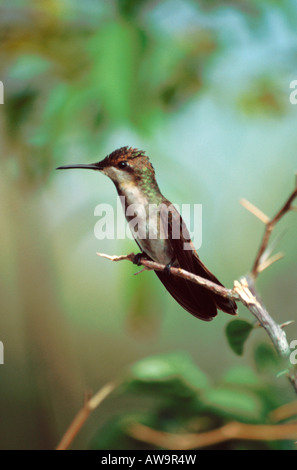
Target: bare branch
90, 405
152, 265
286, 411
268, 262
254, 210
232, 430
243, 291
269, 228
246, 293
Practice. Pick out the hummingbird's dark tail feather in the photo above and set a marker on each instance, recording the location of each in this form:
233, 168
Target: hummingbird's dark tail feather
195, 299
222, 303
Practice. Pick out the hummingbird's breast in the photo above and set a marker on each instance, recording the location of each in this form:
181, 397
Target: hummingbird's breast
143, 215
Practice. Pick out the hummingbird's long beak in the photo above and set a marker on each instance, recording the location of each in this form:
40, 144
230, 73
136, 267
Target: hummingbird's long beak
90, 166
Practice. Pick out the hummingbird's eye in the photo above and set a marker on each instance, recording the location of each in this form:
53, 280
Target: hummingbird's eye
122, 164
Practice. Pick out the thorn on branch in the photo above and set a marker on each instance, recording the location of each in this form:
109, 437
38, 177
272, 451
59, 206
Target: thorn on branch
287, 323
254, 210
268, 262
270, 224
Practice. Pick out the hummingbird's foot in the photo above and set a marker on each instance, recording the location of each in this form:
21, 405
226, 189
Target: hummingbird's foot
170, 265
167, 268
137, 259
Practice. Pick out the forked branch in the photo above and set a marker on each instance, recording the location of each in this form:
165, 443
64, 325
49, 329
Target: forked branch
91, 403
269, 226
230, 431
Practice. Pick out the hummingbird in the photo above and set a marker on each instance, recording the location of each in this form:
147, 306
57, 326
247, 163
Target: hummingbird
134, 177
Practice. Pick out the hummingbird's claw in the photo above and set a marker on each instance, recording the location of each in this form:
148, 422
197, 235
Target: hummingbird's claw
137, 259
167, 268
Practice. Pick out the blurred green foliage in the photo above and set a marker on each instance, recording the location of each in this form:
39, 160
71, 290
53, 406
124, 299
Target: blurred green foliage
203, 87
185, 399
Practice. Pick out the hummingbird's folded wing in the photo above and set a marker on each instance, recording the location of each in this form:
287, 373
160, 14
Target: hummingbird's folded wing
196, 299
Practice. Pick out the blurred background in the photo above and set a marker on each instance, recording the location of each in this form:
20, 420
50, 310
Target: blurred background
203, 88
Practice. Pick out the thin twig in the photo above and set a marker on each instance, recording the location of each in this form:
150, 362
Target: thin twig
90, 405
270, 224
254, 210
268, 262
152, 265
286, 323
283, 412
232, 430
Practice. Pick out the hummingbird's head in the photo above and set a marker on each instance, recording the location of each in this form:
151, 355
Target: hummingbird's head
124, 166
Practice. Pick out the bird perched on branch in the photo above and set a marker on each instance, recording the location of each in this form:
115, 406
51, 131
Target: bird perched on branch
161, 233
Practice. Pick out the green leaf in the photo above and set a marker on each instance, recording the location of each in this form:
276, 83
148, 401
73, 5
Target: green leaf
237, 332
242, 375
239, 404
115, 53
266, 359
169, 367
